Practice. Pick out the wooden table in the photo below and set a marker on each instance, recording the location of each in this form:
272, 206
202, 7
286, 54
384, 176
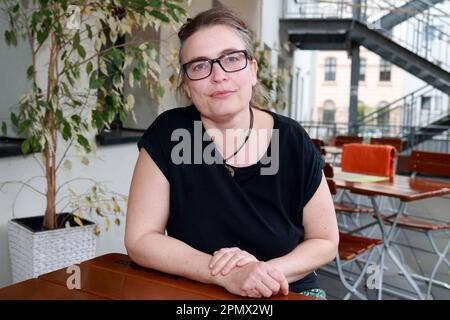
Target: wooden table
404, 188
114, 276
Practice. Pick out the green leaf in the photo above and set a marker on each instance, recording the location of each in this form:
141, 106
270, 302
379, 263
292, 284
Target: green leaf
42, 35
67, 131
97, 120
159, 15
174, 16
160, 90
25, 146
59, 116
94, 82
89, 31
10, 37
84, 143
117, 221
4, 129
89, 67
16, 8
30, 72
77, 119
36, 145
14, 119
76, 39
155, 3
136, 75
81, 51
123, 117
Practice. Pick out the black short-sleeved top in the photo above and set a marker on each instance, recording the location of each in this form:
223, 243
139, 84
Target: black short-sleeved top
210, 209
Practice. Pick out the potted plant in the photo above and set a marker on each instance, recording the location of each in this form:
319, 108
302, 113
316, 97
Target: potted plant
82, 54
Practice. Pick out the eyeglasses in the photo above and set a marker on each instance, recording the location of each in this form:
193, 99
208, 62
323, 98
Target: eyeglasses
230, 62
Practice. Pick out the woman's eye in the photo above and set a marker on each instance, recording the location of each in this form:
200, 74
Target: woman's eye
199, 66
232, 59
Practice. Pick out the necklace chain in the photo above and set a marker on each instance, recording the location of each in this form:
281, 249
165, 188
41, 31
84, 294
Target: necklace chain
242, 145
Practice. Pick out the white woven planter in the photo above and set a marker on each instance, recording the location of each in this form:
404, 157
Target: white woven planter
36, 253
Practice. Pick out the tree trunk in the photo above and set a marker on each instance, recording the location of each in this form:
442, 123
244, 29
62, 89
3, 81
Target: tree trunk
50, 221
50, 212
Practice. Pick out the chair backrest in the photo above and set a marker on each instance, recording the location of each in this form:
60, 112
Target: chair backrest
369, 159
329, 174
341, 140
397, 143
319, 144
430, 163
328, 170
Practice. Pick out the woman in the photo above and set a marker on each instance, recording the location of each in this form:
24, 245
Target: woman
255, 230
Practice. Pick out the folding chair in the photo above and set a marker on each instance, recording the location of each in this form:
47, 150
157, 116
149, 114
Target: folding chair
351, 210
397, 143
341, 140
319, 144
435, 164
353, 249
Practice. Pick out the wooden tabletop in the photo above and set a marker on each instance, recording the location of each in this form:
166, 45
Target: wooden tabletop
115, 276
400, 187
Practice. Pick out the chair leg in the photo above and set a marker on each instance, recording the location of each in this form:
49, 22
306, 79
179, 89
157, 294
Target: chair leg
353, 288
441, 257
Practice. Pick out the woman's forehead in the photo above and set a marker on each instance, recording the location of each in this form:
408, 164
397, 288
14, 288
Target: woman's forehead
210, 42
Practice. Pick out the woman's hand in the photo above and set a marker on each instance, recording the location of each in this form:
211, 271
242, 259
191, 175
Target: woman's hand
255, 280
226, 259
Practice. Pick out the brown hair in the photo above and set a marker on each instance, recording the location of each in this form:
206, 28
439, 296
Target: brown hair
221, 15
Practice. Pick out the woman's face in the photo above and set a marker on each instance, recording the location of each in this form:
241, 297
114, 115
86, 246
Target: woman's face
222, 93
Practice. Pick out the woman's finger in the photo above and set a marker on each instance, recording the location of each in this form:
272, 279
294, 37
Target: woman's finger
239, 259
281, 279
219, 254
221, 262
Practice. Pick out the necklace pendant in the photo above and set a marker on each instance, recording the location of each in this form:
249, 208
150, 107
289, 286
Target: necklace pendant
230, 170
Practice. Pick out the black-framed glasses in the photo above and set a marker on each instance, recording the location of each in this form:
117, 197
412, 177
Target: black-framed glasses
229, 62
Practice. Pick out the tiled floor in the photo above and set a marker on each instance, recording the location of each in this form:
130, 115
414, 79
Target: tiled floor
415, 253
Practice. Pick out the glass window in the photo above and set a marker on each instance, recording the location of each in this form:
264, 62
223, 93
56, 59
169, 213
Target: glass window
330, 69
385, 70
329, 112
362, 69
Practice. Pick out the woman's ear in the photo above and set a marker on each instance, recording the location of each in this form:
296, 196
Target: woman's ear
254, 71
186, 90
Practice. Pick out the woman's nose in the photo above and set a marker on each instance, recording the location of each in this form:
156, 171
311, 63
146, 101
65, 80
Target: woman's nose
218, 74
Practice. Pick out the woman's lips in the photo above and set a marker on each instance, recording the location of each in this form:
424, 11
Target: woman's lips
222, 94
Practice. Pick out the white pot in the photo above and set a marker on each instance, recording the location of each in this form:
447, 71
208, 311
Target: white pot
35, 253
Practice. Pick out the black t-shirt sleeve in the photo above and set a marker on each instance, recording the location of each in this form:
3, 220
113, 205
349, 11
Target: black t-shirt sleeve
156, 141
313, 165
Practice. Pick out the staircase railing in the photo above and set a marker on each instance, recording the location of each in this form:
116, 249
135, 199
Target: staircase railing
427, 33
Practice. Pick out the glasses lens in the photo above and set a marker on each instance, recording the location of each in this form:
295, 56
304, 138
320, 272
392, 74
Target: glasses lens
198, 69
234, 61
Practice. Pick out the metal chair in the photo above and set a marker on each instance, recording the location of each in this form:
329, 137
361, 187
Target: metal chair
353, 249
435, 164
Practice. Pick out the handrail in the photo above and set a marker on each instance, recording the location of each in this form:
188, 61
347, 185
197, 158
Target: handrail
367, 118
413, 34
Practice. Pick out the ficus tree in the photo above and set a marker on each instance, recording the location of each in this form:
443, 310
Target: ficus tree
82, 53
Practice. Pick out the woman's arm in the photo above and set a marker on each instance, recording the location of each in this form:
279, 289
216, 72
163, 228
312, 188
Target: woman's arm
145, 239
321, 237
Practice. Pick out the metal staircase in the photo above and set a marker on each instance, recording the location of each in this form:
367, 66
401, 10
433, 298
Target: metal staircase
410, 34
